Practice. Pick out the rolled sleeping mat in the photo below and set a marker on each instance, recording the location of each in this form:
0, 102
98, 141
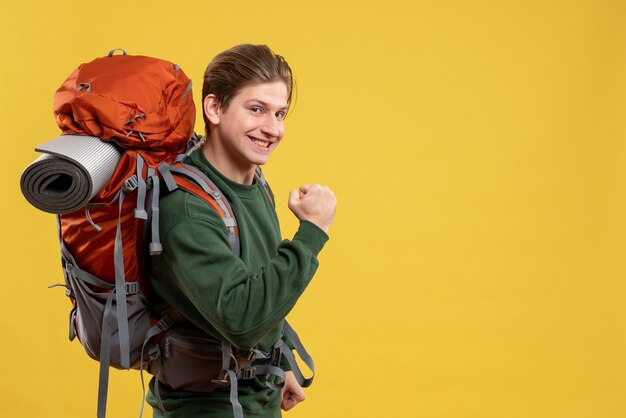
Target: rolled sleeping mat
71, 171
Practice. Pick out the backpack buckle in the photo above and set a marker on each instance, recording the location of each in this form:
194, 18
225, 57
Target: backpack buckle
222, 378
132, 288
250, 355
248, 373
154, 352
165, 322
276, 355
130, 184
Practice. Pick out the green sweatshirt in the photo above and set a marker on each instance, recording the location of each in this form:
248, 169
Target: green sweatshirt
243, 300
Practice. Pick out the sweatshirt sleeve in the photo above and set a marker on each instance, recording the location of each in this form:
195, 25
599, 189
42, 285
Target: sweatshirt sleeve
198, 275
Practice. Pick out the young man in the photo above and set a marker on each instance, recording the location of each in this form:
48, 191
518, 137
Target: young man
241, 300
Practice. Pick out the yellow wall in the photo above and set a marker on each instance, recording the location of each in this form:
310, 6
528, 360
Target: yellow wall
477, 149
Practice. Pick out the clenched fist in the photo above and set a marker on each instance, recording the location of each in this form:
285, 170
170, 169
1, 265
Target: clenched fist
314, 203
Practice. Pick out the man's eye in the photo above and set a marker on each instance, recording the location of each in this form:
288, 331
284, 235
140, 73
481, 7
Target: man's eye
280, 115
256, 109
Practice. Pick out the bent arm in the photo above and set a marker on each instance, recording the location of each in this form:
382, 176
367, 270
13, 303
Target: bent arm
198, 275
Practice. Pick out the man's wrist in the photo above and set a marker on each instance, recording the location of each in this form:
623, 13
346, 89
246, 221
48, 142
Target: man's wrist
312, 236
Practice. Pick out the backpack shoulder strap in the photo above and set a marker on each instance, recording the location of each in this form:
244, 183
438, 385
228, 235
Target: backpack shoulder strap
260, 178
194, 181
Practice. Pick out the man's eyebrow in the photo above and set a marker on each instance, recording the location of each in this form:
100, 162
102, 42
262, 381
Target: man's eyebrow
264, 104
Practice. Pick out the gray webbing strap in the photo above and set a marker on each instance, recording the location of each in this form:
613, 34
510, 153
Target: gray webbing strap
266, 369
155, 354
194, 143
105, 356
65, 254
234, 399
166, 175
87, 277
71, 268
120, 293
157, 391
199, 178
293, 338
296, 369
182, 157
72, 333
88, 216
140, 211
188, 89
234, 241
259, 355
165, 323
263, 183
155, 243
227, 354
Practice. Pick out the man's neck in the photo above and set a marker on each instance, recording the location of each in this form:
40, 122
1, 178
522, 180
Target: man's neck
218, 158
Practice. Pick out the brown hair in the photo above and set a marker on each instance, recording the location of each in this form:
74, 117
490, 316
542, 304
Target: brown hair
240, 66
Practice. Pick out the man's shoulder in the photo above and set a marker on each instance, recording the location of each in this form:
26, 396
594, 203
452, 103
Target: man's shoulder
181, 205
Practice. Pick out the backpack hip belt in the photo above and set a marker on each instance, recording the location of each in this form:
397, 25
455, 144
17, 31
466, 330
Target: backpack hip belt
193, 361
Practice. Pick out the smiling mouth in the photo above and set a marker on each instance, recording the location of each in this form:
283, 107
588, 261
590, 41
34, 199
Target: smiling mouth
261, 143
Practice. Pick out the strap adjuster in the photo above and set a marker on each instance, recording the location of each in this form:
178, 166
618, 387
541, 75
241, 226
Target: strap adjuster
222, 378
276, 355
132, 288
248, 373
130, 184
165, 322
154, 352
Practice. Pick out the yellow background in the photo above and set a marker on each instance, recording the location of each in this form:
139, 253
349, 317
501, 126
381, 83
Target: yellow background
477, 150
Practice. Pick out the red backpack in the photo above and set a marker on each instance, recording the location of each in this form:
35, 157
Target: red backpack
145, 107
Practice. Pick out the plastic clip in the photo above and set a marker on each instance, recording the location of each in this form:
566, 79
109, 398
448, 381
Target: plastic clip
248, 373
222, 378
154, 352
250, 355
132, 288
165, 322
130, 184
276, 355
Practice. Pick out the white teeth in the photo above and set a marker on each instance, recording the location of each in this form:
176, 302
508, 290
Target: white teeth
261, 143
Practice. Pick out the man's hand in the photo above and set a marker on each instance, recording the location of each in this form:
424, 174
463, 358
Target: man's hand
292, 392
314, 203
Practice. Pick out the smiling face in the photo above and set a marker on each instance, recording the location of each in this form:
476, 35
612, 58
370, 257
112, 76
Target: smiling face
244, 134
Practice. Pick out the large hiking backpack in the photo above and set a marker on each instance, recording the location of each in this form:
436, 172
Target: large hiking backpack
144, 107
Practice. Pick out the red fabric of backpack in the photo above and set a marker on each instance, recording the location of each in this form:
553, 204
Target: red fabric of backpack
144, 105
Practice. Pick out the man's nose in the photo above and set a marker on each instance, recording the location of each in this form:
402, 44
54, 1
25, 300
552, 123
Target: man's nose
271, 126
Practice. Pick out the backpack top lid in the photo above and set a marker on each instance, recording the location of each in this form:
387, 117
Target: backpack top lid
138, 102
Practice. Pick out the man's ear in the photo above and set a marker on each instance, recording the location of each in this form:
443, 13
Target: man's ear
212, 109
